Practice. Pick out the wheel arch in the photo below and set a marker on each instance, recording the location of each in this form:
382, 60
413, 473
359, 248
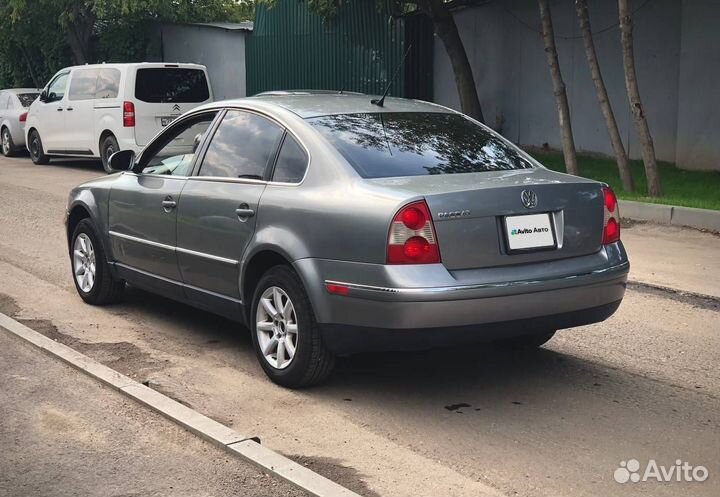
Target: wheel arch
255, 266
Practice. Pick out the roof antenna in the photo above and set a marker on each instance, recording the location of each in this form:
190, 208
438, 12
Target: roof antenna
379, 102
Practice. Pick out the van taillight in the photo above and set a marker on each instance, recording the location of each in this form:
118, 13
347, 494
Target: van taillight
23, 117
412, 238
128, 114
611, 224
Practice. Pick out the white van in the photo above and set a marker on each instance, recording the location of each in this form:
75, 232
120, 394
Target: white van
97, 109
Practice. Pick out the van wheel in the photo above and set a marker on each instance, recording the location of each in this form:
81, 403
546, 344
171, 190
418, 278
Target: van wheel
285, 334
8, 147
37, 154
108, 147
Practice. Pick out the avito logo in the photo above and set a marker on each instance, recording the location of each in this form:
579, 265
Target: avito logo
528, 231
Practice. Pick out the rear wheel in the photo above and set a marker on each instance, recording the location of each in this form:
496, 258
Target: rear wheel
285, 334
91, 272
108, 147
526, 342
37, 154
8, 146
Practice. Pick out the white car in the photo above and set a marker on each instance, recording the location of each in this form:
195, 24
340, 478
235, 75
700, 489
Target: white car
14, 104
96, 110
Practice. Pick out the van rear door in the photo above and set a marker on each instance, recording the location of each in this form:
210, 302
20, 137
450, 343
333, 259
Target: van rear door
164, 92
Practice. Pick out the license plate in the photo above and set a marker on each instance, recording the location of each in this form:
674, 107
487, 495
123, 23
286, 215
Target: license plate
529, 232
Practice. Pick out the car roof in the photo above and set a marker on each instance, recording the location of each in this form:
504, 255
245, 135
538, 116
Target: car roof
138, 64
22, 90
310, 103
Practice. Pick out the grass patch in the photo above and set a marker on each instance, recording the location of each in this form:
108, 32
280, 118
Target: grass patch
699, 189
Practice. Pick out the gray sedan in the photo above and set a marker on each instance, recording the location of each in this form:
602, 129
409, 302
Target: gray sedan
14, 104
329, 224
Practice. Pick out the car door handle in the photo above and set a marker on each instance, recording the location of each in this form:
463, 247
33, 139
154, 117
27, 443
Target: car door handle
244, 212
69, 108
59, 109
169, 204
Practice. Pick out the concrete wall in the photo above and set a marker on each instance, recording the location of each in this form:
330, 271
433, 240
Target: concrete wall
677, 47
222, 51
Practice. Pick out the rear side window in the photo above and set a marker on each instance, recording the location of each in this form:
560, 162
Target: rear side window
383, 145
26, 99
171, 84
241, 147
291, 162
89, 84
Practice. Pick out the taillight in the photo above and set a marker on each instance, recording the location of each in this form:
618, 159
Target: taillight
23, 117
611, 224
128, 114
412, 237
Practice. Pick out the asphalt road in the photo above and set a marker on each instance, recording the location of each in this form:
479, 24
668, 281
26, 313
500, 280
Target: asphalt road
558, 421
64, 434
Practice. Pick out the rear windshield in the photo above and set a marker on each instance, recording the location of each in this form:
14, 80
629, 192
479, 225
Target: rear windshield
27, 98
169, 84
383, 145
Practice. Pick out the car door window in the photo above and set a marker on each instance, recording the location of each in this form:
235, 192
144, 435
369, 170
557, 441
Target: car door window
241, 147
3, 101
10, 101
108, 83
83, 84
291, 162
56, 90
174, 151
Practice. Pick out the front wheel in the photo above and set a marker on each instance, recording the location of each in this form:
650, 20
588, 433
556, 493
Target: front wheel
8, 146
37, 154
285, 334
91, 273
108, 147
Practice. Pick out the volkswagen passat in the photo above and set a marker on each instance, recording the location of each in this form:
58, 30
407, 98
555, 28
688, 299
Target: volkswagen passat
329, 224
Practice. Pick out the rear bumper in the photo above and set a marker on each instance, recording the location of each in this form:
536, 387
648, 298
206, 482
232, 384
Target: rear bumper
509, 300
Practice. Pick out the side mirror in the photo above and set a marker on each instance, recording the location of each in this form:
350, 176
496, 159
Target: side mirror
124, 160
43, 96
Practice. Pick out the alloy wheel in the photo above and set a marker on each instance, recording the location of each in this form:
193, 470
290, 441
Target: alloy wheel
6, 142
276, 327
84, 262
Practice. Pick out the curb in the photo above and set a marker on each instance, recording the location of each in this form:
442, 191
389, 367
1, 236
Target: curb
673, 215
245, 447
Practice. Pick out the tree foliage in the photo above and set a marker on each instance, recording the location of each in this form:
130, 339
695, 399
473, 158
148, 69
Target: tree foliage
38, 37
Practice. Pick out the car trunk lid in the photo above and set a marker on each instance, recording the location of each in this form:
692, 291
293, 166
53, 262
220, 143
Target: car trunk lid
469, 212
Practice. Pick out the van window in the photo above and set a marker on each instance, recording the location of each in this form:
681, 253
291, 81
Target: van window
88, 84
241, 147
56, 89
171, 84
82, 84
108, 83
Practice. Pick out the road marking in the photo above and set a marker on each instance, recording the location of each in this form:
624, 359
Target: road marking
245, 447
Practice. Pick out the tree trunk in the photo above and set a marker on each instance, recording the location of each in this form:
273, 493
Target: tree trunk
568, 143
76, 45
31, 69
602, 96
633, 91
446, 30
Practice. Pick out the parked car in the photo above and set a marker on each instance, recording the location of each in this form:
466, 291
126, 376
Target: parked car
95, 110
328, 225
13, 114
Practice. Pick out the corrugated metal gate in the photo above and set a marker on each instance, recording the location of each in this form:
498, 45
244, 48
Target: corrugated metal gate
358, 50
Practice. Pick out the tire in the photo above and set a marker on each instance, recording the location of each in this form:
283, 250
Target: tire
311, 362
108, 147
104, 288
528, 342
8, 146
37, 153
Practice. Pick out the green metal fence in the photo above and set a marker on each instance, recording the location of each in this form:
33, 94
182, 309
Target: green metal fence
358, 50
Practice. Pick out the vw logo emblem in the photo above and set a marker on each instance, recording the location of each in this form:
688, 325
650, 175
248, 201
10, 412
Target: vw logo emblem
529, 199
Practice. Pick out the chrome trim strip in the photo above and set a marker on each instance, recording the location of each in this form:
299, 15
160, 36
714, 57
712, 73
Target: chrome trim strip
479, 286
174, 249
207, 256
174, 282
141, 240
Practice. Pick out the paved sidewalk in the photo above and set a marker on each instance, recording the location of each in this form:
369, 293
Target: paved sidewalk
61, 433
679, 258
